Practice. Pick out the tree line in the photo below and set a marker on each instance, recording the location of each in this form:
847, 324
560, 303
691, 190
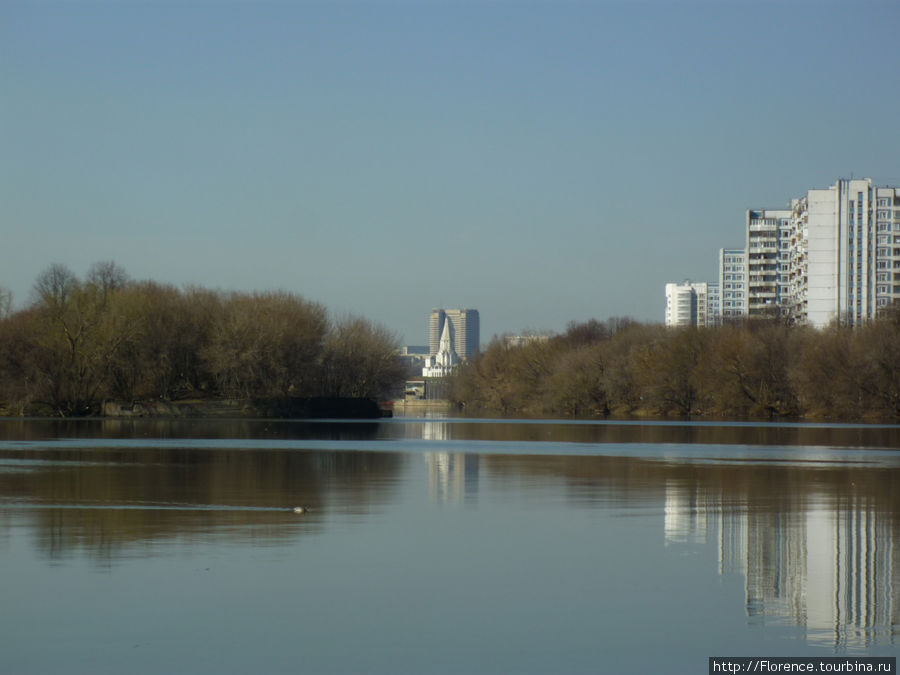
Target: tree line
749, 370
107, 337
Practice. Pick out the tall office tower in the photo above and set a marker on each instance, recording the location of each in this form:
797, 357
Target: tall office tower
464, 330
846, 245
692, 304
732, 283
768, 234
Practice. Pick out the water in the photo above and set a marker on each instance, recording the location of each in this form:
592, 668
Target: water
442, 546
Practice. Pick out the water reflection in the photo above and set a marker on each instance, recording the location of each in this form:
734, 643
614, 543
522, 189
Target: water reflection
109, 500
610, 432
830, 566
817, 545
811, 532
452, 477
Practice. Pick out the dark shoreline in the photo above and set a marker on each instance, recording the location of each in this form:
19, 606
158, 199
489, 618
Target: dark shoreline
280, 408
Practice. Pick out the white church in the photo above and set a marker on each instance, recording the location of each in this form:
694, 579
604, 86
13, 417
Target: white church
445, 360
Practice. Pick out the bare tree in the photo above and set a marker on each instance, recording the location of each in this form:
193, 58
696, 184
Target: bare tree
107, 277
54, 286
360, 360
266, 345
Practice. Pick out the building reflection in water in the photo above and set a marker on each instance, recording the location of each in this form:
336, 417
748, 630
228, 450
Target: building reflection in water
830, 566
452, 477
434, 430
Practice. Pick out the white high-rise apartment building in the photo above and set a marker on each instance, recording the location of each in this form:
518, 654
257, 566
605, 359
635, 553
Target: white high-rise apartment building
692, 304
713, 304
732, 283
681, 305
768, 234
834, 255
845, 245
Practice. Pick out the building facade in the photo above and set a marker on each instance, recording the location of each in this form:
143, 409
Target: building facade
732, 283
681, 305
833, 256
846, 253
693, 304
465, 330
446, 359
768, 234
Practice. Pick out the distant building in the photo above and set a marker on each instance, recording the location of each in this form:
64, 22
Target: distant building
692, 304
732, 283
445, 360
713, 303
833, 255
415, 388
681, 305
465, 331
522, 340
845, 253
413, 357
768, 243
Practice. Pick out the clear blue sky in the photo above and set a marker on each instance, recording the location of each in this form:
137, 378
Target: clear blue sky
539, 161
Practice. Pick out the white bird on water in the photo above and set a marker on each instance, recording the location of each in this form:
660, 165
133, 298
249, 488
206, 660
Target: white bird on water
299, 509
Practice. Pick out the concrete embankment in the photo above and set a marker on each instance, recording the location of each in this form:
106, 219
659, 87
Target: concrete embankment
420, 408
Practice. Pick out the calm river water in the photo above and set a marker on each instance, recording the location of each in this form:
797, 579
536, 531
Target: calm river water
443, 546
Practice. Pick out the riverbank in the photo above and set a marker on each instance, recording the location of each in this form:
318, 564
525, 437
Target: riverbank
283, 408
421, 408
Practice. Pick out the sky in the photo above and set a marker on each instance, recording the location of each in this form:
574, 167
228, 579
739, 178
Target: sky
542, 162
